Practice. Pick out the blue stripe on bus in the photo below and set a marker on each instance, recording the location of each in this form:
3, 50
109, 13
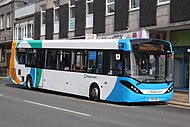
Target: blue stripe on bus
33, 75
120, 93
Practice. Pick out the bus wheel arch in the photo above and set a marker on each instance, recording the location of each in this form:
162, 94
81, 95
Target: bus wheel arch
29, 84
94, 92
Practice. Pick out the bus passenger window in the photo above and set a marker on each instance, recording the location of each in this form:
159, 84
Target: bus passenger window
116, 63
63, 60
51, 59
79, 59
95, 62
21, 55
91, 61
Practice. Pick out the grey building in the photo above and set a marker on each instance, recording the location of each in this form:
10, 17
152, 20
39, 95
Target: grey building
161, 19
7, 18
6, 34
24, 20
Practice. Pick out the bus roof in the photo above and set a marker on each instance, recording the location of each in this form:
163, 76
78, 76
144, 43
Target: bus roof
72, 44
108, 44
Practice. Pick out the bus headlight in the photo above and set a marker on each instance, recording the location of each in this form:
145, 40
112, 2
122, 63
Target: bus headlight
130, 86
170, 89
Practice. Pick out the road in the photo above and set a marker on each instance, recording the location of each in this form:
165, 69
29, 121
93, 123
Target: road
20, 107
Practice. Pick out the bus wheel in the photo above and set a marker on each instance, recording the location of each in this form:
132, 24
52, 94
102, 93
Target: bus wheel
29, 82
94, 93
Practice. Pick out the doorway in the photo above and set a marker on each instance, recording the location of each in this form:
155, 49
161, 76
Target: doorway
181, 70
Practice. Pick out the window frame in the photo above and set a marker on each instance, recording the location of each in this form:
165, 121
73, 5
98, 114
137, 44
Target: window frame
2, 22
159, 2
56, 8
89, 17
133, 8
71, 18
43, 11
108, 4
8, 24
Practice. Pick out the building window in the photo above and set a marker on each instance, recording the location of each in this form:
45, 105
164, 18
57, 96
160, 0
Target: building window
8, 20
163, 1
43, 14
1, 22
134, 4
2, 54
56, 11
110, 7
19, 33
89, 13
71, 14
29, 30
24, 30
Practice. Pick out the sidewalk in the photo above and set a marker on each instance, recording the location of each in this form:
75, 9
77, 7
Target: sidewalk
180, 97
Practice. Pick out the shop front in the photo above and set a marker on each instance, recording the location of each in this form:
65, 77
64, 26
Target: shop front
181, 45
5, 51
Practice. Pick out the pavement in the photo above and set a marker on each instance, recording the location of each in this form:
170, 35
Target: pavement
180, 97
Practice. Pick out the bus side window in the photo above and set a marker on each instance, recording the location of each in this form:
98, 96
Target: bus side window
63, 60
79, 60
51, 59
40, 58
92, 61
21, 55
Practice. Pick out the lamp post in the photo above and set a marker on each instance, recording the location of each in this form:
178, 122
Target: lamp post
188, 51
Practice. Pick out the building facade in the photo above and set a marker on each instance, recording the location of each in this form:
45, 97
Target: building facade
24, 20
161, 19
6, 34
8, 23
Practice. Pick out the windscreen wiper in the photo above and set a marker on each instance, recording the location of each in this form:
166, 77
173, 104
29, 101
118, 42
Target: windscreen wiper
162, 78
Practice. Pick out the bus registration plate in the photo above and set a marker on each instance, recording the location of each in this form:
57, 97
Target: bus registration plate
153, 99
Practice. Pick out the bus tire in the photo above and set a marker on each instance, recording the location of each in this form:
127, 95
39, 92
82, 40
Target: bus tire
94, 93
29, 82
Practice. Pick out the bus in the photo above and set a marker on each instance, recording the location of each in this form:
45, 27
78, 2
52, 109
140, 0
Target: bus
116, 70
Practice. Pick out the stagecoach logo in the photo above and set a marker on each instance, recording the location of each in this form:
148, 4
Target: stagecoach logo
155, 91
89, 76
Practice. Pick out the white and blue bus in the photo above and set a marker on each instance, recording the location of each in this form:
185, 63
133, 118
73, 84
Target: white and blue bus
117, 70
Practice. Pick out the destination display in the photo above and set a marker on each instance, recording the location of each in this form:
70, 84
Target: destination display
150, 47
